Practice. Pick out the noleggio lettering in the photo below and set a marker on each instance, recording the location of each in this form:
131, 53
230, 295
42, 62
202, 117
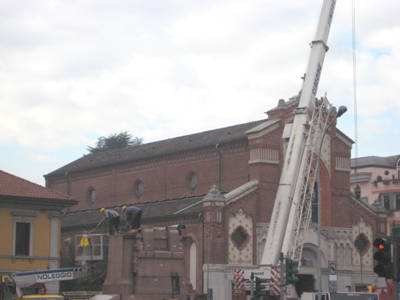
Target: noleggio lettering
54, 276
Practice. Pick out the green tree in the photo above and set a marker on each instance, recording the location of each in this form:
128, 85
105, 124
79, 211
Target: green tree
115, 141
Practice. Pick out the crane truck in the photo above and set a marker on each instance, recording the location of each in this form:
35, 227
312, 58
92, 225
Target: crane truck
15, 283
291, 213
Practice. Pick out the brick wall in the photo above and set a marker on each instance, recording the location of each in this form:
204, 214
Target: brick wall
162, 178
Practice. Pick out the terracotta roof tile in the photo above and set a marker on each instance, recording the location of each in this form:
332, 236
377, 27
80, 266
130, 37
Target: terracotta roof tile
375, 161
11, 185
160, 148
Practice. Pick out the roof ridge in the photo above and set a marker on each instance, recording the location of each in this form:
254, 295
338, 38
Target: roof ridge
376, 156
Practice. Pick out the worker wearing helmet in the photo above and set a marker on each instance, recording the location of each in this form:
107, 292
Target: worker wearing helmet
133, 216
112, 216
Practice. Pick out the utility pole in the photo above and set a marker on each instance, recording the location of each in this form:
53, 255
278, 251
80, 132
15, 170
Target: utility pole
252, 286
395, 231
281, 259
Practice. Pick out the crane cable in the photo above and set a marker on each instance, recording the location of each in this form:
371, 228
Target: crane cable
353, 19
357, 187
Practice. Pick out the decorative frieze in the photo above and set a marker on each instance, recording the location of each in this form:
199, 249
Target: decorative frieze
362, 243
264, 155
342, 164
240, 238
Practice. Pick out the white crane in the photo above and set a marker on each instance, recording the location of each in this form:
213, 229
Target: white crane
291, 213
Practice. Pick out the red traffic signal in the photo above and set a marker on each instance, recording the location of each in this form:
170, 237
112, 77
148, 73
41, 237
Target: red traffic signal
383, 257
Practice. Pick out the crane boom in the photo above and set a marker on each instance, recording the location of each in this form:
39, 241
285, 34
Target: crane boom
282, 219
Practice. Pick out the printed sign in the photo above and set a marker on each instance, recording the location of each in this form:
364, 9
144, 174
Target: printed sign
54, 276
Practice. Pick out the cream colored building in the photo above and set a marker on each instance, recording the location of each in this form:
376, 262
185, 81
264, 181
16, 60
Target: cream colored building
29, 226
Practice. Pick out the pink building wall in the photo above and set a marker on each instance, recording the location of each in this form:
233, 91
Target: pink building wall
377, 181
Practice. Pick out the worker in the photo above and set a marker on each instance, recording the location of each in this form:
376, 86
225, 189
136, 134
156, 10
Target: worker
133, 216
112, 216
42, 289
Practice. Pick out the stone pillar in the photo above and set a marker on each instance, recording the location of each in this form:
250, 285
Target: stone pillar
214, 253
213, 225
119, 278
52, 287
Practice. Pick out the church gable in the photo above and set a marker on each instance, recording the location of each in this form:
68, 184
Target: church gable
264, 142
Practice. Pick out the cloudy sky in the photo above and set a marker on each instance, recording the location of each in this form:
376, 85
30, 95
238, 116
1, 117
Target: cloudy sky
71, 71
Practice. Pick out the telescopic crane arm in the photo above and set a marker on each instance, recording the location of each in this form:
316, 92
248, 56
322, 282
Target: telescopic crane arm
283, 220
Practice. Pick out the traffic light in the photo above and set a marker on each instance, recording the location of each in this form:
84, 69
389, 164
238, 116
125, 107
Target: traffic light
291, 271
260, 286
383, 257
396, 248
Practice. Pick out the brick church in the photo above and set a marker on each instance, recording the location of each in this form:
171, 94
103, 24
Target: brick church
221, 186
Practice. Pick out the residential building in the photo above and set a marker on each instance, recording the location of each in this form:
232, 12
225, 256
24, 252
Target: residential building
377, 182
29, 226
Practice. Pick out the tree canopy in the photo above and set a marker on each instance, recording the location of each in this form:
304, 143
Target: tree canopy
115, 141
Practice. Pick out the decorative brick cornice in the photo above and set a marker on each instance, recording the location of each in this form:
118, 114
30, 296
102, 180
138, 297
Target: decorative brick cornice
348, 142
183, 157
97, 173
140, 165
235, 148
263, 129
23, 213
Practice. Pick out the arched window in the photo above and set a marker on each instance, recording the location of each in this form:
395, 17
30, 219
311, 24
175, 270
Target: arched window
340, 255
348, 255
139, 188
192, 181
261, 249
91, 195
193, 265
314, 205
308, 258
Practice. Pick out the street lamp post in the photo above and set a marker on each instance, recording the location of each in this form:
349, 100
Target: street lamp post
340, 112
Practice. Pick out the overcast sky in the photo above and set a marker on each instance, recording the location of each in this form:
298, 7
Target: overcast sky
71, 71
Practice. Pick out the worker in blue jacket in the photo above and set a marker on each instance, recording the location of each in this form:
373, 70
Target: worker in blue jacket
133, 216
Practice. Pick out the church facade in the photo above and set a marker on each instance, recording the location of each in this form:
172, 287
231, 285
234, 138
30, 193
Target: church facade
221, 185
